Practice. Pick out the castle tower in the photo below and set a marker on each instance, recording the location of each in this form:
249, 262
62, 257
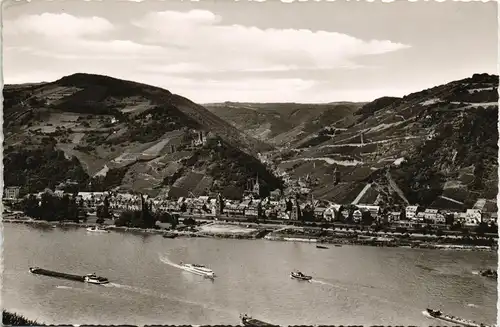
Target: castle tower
336, 175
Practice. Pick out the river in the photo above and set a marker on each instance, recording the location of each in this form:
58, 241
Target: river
351, 285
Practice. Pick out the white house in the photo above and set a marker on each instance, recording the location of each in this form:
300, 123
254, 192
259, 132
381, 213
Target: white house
434, 216
329, 213
394, 216
430, 213
12, 192
419, 218
319, 213
411, 212
374, 210
474, 214
357, 215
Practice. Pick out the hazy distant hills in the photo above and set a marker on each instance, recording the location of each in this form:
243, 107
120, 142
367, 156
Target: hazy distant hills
124, 134
436, 147
282, 124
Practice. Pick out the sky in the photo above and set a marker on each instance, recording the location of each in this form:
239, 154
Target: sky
248, 51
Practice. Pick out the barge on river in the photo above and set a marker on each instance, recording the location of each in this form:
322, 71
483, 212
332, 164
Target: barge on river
437, 314
299, 275
89, 278
490, 273
249, 321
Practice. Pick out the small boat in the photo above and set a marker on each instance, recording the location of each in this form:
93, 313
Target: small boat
299, 275
249, 321
338, 245
198, 269
321, 247
437, 314
169, 235
97, 229
94, 279
489, 273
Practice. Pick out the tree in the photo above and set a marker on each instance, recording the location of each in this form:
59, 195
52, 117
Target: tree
338, 215
481, 229
48, 207
125, 219
175, 221
29, 206
189, 222
73, 212
164, 217
366, 218
147, 218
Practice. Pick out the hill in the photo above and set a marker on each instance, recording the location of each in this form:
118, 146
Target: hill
282, 124
115, 133
437, 147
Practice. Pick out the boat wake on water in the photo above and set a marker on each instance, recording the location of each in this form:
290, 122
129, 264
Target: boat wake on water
367, 294
169, 262
75, 289
152, 293
316, 281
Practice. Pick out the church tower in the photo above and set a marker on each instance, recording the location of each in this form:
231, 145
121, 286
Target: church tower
256, 187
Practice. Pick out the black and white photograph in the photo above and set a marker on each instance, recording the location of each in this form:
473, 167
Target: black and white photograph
249, 163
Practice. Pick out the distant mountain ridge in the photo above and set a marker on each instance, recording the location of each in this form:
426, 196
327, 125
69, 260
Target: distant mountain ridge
124, 134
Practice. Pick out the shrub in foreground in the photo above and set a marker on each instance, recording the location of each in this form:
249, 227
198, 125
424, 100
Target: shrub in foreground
13, 319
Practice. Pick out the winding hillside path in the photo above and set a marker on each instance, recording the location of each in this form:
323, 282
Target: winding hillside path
396, 188
450, 199
360, 195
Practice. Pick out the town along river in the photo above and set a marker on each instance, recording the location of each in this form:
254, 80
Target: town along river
351, 284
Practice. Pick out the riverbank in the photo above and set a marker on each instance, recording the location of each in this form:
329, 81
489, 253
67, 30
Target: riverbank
213, 230
367, 238
291, 234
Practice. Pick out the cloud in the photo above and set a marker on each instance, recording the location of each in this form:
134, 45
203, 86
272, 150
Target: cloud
195, 54
201, 39
57, 25
83, 49
244, 89
68, 37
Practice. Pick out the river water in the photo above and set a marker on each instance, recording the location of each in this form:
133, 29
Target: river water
352, 284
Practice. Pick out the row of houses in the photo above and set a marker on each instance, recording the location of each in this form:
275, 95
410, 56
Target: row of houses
471, 217
280, 208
